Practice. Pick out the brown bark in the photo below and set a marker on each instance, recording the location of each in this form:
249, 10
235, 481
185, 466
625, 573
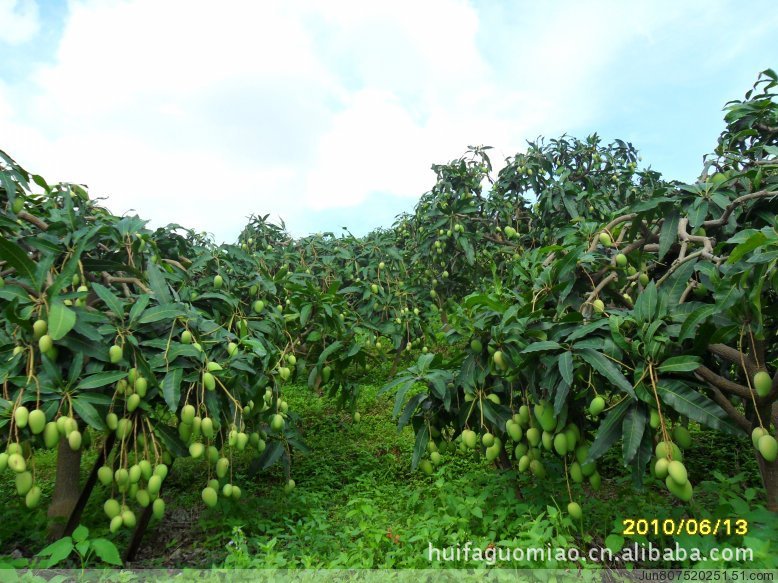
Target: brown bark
769, 473
66, 488
768, 470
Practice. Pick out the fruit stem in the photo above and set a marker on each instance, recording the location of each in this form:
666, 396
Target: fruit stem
748, 376
665, 435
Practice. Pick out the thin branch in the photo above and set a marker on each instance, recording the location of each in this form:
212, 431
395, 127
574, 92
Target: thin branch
174, 263
108, 278
609, 226
735, 203
25, 216
720, 383
734, 356
730, 410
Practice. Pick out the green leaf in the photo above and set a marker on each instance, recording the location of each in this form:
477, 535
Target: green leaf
109, 298
541, 346
61, 320
88, 413
271, 455
581, 331
669, 233
642, 457
164, 312
413, 404
468, 249
305, 313
399, 398
609, 431
171, 440
328, 351
138, 307
646, 304
171, 388
106, 551
675, 285
696, 406
566, 367
756, 240
101, 379
57, 551
80, 534
614, 542
158, 284
607, 368
422, 437
685, 363
693, 320
632, 430
17, 258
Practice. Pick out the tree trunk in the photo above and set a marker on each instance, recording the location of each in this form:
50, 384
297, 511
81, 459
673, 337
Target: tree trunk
397, 357
66, 488
768, 470
769, 473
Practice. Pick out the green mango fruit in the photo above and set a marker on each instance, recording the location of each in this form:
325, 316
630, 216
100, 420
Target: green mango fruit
210, 497
128, 518
768, 447
560, 444
196, 450
661, 468
37, 421
756, 434
115, 354
537, 469
21, 416
682, 437
763, 384
576, 474
33, 497
677, 471
277, 422
39, 328
112, 508
45, 343
596, 406
105, 475
682, 492
158, 508
533, 436
74, 440
23, 483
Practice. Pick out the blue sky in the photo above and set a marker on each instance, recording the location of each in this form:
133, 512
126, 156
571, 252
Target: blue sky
330, 114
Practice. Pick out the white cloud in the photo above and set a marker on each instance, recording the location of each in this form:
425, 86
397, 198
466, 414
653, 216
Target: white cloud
202, 113
19, 21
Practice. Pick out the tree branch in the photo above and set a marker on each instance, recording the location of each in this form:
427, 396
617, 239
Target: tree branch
720, 383
737, 202
609, 226
108, 278
734, 356
730, 410
25, 216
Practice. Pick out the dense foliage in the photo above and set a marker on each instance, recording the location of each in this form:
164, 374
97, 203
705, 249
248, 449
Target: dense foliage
572, 302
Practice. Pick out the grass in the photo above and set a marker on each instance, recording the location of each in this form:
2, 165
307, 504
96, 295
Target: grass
357, 503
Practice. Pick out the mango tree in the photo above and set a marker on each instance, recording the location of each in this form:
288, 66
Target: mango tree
632, 305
